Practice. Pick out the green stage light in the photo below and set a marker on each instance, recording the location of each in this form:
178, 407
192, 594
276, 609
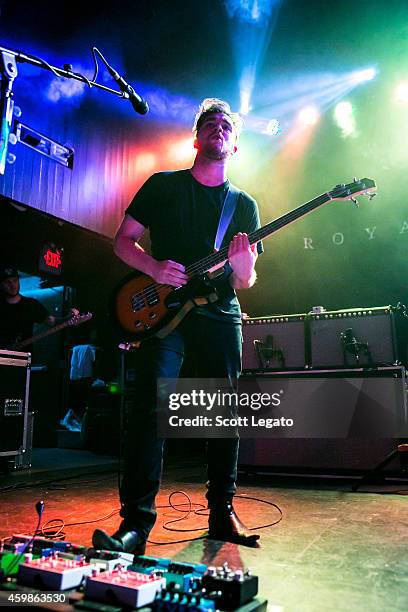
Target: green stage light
343, 116
401, 93
113, 387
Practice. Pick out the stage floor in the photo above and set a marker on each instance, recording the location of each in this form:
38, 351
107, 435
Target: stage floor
332, 550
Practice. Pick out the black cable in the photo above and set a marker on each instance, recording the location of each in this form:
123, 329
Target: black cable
52, 69
44, 63
95, 74
105, 61
96, 50
39, 508
268, 503
199, 512
185, 517
56, 531
43, 483
87, 81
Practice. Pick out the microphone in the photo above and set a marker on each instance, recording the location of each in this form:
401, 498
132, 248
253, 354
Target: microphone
39, 508
136, 101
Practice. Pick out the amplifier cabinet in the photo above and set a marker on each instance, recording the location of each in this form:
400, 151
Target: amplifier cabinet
273, 343
348, 338
331, 455
314, 456
14, 396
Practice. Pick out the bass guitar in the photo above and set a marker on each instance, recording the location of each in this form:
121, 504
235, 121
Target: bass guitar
72, 322
144, 308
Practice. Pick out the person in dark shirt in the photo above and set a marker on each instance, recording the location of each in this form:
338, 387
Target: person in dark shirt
182, 210
17, 312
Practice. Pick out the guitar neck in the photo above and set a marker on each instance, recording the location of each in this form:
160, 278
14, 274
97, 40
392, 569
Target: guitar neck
44, 334
207, 263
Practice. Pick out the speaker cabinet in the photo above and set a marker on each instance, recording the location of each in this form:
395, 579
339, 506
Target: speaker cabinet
348, 338
14, 394
330, 455
273, 343
314, 455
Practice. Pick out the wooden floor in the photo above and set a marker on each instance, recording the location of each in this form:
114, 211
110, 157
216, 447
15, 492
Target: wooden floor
331, 550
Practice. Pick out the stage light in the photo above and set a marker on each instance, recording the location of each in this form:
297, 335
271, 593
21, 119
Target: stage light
343, 110
401, 93
242, 164
245, 103
253, 22
343, 115
181, 151
145, 163
309, 115
364, 75
272, 127
251, 11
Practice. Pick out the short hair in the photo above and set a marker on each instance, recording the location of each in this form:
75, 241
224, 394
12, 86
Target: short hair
209, 106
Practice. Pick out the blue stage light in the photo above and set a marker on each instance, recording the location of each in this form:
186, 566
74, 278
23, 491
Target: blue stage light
364, 75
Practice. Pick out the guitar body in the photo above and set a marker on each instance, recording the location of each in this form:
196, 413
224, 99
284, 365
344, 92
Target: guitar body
143, 307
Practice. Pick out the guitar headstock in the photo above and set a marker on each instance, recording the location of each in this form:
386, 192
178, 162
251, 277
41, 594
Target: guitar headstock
79, 318
352, 190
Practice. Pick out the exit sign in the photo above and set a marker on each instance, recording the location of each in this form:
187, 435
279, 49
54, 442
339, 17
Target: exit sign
51, 259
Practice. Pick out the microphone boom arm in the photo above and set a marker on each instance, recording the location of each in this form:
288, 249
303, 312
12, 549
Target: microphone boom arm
59, 72
8, 73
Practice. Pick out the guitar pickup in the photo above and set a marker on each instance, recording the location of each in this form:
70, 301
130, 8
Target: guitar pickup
216, 273
151, 296
137, 302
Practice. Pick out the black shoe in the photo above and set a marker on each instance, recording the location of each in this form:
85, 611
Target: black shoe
225, 525
122, 541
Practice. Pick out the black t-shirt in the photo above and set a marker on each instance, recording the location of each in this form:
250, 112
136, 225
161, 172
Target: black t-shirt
182, 216
17, 320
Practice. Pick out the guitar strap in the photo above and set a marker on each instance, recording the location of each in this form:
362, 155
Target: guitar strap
228, 208
227, 212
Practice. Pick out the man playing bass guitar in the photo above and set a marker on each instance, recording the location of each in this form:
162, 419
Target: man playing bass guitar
182, 211
18, 313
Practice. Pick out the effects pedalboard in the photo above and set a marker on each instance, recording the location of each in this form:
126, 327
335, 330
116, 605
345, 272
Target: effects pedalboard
46, 573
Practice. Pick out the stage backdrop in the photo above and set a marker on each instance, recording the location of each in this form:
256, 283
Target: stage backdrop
339, 256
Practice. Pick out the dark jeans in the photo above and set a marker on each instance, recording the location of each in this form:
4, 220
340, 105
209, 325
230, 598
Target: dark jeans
215, 346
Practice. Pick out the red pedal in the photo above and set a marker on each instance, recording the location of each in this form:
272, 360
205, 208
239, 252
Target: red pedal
128, 588
53, 573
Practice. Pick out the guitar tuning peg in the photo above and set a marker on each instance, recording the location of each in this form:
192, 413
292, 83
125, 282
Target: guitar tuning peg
355, 180
355, 201
371, 195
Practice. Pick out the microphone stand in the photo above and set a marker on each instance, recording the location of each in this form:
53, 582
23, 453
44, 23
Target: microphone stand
350, 345
66, 72
8, 69
265, 352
